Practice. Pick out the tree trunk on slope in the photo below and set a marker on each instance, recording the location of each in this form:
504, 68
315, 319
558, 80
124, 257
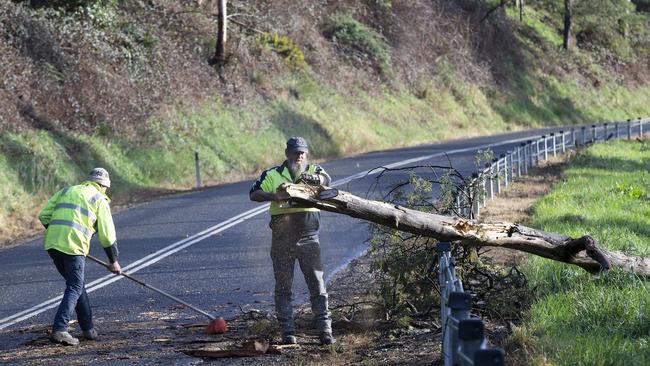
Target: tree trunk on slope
583, 252
220, 52
568, 21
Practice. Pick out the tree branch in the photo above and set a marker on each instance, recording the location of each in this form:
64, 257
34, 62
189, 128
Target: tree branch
583, 252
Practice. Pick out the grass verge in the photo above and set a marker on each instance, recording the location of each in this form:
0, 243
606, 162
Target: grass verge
578, 319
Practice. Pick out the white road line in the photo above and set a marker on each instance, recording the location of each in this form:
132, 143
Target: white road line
238, 219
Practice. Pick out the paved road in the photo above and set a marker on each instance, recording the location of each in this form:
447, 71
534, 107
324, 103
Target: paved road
209, 247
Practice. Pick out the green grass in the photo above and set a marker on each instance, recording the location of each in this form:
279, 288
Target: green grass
579, 319
237, 143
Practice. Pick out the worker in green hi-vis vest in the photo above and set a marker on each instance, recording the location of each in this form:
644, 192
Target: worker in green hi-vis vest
71, 217
295, 237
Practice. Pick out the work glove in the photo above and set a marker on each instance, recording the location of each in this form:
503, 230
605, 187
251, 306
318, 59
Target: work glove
312, 179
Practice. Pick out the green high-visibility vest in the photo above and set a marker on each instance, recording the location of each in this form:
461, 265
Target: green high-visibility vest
73, 214
271, 179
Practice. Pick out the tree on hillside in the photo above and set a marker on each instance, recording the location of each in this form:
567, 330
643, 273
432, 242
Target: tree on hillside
568, 13
220, 51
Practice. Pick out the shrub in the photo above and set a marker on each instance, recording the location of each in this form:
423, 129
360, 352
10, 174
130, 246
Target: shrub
286, 48
355, 37
610, 25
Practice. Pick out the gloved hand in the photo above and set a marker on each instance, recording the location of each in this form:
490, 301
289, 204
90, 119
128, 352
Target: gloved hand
312, 179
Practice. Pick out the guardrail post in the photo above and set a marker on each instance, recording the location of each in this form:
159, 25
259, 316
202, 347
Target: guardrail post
553, 142
461, 201
640, 127
584, 135
563, 142
605, 125
488, 172
489, 357
470, 339
629, 129
197, 168
521, 155
545, 148
527, 155
618, 135
573, 137
460, 304
476, 192
443, 248
507, 160
593, 133
537, 153
496, 167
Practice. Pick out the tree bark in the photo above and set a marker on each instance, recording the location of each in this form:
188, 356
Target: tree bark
568, 21
220, 51
583, 252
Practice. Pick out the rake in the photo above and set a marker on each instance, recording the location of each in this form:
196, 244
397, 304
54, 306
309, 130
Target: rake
216, 326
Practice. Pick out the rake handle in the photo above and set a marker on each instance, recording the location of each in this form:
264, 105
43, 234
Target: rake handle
96, 260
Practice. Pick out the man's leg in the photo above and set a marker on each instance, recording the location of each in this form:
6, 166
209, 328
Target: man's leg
283, 261
311, 265
71, 267
84, 311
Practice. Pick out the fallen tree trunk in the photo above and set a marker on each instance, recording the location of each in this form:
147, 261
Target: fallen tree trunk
583, 252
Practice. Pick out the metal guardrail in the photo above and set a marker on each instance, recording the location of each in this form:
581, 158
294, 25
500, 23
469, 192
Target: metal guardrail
500, 172
463, 340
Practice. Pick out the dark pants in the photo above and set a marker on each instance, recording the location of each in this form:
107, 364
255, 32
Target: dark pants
71, 267
295, 237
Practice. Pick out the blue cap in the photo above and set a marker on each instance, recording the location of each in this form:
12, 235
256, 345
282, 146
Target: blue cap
297, 144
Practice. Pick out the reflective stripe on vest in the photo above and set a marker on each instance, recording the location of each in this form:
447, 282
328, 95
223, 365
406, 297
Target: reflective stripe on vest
83, 210
88, 232
94, 198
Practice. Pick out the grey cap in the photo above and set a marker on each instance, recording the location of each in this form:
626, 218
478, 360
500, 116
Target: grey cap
297, 144
100, 175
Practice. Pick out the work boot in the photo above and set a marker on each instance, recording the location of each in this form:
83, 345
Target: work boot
289, 339
326, 338
64, 338
90, 335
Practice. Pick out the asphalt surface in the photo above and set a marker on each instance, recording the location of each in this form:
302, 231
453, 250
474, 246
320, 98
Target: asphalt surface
211, 247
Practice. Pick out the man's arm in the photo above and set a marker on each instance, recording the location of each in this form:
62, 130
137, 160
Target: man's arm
259, 195
107, 237
46, 213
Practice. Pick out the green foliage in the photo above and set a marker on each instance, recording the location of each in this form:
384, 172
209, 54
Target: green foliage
261, 328
286, 48
405, 269
358, 39
579, 319
610, 28
405, 264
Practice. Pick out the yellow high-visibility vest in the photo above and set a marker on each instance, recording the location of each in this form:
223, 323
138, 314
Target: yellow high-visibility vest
271, 179
73, 214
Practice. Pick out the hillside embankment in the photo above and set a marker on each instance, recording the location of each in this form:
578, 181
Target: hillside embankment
133, 86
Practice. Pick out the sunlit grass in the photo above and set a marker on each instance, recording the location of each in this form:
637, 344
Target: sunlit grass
579, 319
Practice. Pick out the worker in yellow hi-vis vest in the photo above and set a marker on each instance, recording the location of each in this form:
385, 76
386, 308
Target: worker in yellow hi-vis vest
295, 237
71, 217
